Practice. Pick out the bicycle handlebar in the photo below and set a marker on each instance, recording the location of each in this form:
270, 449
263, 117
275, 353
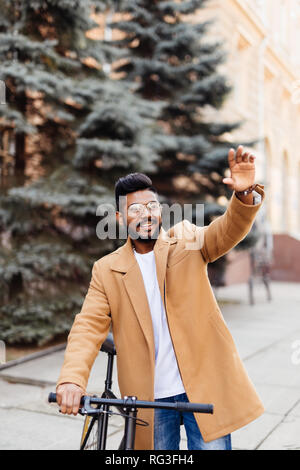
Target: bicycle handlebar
52, 398
130, 402
194, 407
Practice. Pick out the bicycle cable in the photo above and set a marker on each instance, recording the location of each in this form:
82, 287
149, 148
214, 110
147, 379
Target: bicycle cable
139, 421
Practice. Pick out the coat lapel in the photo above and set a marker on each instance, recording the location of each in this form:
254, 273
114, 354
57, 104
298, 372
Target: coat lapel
126, 263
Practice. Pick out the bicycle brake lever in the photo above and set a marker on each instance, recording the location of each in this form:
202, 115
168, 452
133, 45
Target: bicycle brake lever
87, 409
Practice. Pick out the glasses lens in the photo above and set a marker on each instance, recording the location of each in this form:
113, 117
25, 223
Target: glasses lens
153, 206
136, 209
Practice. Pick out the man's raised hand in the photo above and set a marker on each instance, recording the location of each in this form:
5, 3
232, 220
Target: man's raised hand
242, 169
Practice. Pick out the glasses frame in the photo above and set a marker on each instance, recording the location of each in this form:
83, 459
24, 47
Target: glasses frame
145, 206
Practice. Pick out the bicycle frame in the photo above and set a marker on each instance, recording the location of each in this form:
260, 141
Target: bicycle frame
129, 413
127, 407
107, 347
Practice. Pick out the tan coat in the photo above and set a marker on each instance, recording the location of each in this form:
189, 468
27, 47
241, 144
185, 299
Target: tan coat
209, 364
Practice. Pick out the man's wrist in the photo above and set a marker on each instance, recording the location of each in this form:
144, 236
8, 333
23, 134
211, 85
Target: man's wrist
245, 198
247, 191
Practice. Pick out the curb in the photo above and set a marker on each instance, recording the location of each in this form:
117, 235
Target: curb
31, 357
25, 381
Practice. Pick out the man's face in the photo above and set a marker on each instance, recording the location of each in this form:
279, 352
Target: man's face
142, 214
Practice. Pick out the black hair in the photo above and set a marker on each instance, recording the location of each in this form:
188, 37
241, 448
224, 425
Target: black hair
131, 183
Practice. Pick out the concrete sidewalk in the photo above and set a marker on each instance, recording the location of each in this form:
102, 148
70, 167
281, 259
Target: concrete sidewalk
267, 336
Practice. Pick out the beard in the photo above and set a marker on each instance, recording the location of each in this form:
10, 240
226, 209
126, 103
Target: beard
147, 237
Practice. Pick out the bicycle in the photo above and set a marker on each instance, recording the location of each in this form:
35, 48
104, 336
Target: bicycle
94, 434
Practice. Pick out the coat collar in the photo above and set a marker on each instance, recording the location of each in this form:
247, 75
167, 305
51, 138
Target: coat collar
125, 262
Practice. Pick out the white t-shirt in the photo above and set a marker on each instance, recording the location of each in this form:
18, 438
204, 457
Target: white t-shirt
167, 381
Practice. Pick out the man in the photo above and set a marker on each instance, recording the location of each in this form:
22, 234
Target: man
172, 342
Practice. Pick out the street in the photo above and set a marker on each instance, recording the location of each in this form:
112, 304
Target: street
267, 336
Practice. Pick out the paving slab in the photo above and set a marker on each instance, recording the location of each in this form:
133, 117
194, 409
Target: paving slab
285, 436
279, 399
296, 410
28, 421
265, 335
274, 366
25, 430
254, 328
47, 369
250, 436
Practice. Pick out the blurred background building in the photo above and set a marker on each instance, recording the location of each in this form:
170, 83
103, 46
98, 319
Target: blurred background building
262, 40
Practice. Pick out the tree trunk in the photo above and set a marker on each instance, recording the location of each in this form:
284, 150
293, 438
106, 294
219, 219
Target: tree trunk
20, 138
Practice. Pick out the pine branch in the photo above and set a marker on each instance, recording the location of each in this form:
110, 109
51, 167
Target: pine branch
13, 118
114, 153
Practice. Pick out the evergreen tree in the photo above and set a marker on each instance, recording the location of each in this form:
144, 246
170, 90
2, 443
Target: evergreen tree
72, 130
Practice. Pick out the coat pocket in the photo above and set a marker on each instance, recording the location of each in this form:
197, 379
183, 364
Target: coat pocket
215, 317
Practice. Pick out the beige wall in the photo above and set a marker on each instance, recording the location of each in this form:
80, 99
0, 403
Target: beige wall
262, 40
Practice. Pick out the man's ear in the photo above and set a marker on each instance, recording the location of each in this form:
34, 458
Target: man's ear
120, 218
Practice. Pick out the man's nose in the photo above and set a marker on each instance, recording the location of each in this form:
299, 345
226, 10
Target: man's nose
145, 208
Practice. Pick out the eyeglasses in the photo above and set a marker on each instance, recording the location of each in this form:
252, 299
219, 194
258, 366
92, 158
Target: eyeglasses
137, 208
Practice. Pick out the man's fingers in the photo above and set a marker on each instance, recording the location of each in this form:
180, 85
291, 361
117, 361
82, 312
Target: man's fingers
63, 403
68, 397
239, 153
76, 403
228, 181
235, 157
58, 398
69, 403
248, 157
231, 157
66, 402
240, 156
245, 156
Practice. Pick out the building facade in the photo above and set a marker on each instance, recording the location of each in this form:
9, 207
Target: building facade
261, 38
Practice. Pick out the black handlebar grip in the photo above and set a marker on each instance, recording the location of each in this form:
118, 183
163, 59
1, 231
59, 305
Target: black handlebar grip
52, 397
195, 407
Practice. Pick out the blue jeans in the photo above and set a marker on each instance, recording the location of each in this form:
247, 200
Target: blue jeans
167, 430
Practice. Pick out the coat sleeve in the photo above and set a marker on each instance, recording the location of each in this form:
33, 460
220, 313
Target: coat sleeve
225, 232
89, 331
